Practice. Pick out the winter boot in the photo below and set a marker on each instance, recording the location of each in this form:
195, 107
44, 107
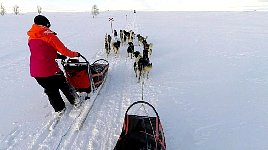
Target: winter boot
60, 113
77, 103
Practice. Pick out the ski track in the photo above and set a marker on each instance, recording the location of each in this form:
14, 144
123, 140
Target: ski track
45, 137
11, 140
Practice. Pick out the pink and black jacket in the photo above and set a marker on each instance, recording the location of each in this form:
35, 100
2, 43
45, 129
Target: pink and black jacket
45, 46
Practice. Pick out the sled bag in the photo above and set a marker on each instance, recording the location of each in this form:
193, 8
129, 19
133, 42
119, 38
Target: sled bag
98, 73
78, 77
138, 134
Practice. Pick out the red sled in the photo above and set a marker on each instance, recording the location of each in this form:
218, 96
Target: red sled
83, 76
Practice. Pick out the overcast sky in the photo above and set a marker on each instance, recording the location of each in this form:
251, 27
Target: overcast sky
86, 5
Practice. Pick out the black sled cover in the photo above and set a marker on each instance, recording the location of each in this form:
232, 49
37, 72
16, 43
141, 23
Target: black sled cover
141, 132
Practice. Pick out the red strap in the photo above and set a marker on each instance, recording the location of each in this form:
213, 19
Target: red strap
126, 124
157, 125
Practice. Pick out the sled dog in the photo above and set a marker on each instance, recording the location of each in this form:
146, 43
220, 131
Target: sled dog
107, 45
142, 65
116, 46
130, 50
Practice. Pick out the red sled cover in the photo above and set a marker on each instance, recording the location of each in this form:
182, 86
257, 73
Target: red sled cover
79, 74
78, 77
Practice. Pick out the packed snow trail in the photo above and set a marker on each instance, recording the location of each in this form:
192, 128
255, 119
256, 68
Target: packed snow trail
103, 125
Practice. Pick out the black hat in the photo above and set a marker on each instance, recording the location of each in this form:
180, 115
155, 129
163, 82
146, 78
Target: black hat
42, 20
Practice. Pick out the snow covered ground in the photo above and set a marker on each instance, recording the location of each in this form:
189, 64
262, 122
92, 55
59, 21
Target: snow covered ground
209, 81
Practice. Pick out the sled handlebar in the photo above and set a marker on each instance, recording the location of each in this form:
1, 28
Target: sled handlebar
84, 58
94, 61
100, 60
144, 102
76, 61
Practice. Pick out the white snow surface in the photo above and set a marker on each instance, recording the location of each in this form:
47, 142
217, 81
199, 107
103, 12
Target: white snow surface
209, 81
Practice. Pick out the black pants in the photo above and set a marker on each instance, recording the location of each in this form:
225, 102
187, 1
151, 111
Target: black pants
52, 85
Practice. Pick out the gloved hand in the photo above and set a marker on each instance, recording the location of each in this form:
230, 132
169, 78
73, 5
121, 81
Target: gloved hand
78, 54
61, 57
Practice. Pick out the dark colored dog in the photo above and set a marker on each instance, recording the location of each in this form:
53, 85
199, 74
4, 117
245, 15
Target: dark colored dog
126, 36
137, 56
148, 47
109, 39
121, 36
131, 36
107, 44
115, 33
142, 65
116, 46
107, 48
141, 39
130, 49
146, 53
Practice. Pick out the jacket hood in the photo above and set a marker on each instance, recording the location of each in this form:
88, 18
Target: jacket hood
38, 31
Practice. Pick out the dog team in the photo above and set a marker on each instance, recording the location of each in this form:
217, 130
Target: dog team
142, 65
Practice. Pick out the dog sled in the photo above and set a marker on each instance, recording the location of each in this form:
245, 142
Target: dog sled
141, 132
87, 79
83, 76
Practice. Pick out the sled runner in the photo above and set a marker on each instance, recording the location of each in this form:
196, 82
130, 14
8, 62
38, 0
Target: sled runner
141, 132
83, 76
87, 80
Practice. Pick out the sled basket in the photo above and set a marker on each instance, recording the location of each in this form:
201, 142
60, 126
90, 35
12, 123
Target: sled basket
80, 74
141, 132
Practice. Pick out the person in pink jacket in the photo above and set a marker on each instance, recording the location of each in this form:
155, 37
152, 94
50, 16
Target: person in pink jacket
45, 47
